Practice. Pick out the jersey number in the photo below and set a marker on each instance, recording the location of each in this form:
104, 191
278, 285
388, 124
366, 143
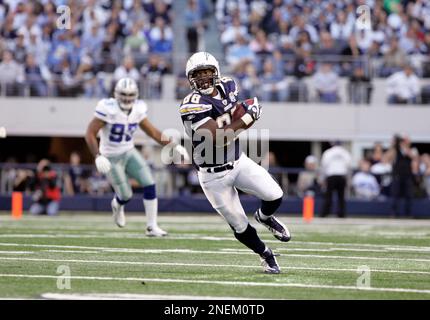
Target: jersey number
194, 98
223, 120
118, 132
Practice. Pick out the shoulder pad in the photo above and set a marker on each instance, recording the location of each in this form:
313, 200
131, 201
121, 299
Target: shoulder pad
226, 79
141, 105
106, 106
230, 85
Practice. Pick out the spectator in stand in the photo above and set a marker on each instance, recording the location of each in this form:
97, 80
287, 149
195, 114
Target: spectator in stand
402, 185
67, 84
36, 77
225, 9
260, 45
403, 87
407, 41
359, 87
61, 49
193, 23
393, 58
152, 73
239, 52
160, 8
274, 86
300, 25
304, 43
425, 172
75, 181
161, 37
136, 43
85, 77
342, 28
92, 40
364, 39
327, 47
12, 75
308, 180
364, 184
276, 24
136, 15
335, 167
326, 83
377, 153
127, 69
19, 49
382, 172
47, 195
249, 80
229, 36
351, 54
79, 51
303, 65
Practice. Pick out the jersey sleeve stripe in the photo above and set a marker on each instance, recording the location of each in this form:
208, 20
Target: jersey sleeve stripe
192, 108
101, 113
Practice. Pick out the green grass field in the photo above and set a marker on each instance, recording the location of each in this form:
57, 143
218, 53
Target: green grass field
201, 259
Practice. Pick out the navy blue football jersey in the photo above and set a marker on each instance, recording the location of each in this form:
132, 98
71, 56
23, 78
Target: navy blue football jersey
196, 109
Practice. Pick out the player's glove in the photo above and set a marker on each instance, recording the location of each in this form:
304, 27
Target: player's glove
253, 108
103, 164
183, 152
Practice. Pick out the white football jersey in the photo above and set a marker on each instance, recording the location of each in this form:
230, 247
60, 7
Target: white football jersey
116, 137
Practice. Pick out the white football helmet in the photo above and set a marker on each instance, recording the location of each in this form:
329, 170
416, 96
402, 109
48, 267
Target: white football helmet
201, 61
126, 93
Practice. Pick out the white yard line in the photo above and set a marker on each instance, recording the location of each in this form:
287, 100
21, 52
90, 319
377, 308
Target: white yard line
228, 283
179, 264
189, 251
16, 252
314, 249
131, 296
72, 251
210, 238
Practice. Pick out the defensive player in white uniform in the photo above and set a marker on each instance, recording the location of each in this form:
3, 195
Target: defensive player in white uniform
207, 112
117, 119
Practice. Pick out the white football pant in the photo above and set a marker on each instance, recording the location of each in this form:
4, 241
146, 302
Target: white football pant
221, 189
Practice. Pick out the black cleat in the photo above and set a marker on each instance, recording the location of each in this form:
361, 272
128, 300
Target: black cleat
269, 263
275, 226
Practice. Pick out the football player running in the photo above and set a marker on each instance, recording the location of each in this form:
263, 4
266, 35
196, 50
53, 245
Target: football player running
117, 119
207, 112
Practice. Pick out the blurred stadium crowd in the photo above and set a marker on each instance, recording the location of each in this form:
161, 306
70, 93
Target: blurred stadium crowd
265, 42
107, 40
281, 50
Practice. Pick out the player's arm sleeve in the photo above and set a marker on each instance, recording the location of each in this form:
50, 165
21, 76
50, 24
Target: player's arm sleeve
101, 111
195, 115
143, 111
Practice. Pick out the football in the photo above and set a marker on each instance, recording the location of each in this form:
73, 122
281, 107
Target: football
239, 111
